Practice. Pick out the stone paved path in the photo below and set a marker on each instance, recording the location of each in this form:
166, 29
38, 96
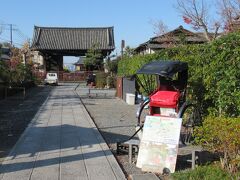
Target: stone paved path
61, 142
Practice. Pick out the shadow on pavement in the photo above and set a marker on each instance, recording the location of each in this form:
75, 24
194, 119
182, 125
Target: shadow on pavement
51, 141
15, 115
43, 145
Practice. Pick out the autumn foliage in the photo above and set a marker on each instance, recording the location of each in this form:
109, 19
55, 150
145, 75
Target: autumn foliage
221, 135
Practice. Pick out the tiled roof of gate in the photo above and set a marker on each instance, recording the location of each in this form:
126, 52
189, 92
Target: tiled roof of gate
60, 38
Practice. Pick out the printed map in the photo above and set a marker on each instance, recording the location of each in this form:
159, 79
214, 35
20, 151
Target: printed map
159, 144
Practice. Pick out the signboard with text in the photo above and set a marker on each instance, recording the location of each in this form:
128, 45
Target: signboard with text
159, 144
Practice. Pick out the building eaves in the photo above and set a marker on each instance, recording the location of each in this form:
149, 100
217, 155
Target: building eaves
62, 38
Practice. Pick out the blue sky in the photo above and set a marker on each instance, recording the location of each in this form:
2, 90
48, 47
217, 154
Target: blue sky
130, 18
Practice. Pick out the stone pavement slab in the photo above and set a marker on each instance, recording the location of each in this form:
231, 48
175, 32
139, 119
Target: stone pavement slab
61, 142
148, 176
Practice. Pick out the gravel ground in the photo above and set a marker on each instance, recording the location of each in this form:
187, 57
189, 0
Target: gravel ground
16, 113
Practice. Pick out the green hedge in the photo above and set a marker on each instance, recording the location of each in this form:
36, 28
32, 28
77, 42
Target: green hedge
214, 76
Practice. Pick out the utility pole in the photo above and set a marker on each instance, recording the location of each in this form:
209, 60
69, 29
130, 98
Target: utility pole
122, 48
11, 29
11, 34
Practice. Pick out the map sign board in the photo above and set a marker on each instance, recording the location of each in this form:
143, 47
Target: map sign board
159, 144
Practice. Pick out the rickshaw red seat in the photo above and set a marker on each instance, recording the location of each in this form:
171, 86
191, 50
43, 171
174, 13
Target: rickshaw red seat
168, 99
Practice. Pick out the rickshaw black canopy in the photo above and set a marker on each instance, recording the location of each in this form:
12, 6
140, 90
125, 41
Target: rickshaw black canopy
165, 68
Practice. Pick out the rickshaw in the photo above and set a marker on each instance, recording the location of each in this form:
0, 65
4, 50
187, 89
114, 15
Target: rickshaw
169, 97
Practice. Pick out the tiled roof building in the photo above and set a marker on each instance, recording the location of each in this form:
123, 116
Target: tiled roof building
73, 41
170, 39
5, 53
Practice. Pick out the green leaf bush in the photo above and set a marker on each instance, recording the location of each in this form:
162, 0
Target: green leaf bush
210, 172
221, 135
111, 81
214, 75
15, 75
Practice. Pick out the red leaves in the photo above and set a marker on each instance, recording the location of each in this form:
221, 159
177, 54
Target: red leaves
187, 20
13, 63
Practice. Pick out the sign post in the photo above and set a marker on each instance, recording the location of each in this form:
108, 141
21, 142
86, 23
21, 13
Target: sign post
159, 144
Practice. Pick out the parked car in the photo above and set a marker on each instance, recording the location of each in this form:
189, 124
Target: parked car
51, 78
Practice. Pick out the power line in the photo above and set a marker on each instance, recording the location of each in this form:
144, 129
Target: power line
11, 31
21, 38
11, 28
14, 43
7, 28
22, 34
4, 39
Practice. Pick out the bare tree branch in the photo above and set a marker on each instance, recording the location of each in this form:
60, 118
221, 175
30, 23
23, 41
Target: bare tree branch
159, 27
197, 11
229, 11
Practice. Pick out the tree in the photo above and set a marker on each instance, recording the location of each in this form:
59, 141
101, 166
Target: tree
128, 51
161, 30
94, 59
229, 11
112, 65
159, 27
196, 13
16, 56
18, 69
26, 53
4, 73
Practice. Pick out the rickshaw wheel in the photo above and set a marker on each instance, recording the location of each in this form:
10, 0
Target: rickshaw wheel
190, 118
142, 113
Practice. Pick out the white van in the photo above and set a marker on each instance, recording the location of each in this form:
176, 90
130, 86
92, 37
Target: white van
51, 78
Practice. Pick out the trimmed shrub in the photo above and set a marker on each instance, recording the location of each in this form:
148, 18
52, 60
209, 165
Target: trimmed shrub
221, 135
